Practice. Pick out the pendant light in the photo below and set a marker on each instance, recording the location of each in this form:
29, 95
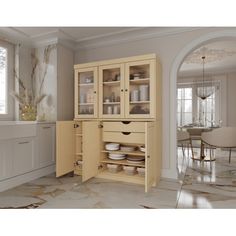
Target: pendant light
204, 91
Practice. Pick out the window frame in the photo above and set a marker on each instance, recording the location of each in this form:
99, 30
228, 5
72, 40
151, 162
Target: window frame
195, 100
9, 81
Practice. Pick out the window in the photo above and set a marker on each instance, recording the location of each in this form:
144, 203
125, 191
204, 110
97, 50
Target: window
3, 80
6, 80
185, 103
193, 110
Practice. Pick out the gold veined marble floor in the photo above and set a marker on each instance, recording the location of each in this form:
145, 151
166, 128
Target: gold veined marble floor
200, 185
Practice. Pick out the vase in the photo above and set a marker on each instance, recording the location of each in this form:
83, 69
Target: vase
28, 113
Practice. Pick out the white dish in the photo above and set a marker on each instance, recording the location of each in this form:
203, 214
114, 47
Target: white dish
112, 146
127, 148
116, 158
142, 148
131, 158
135, 162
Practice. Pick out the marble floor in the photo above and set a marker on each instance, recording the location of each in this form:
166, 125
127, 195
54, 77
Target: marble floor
200, 185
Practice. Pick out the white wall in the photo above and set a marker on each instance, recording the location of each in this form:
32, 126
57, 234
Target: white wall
167, 48
231, 99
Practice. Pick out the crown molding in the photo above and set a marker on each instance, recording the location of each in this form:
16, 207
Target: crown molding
132, 35
59, 36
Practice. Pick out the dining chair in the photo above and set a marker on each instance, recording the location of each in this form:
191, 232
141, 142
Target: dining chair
184, 140
224, 137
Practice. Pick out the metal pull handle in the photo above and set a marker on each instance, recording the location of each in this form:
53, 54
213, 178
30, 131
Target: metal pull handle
126, 90
122, 90
148, 156
94, 92
126, 133
76, 126
23, 142
46, 127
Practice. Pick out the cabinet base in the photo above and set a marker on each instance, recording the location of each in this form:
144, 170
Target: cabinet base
121, 176
21, 179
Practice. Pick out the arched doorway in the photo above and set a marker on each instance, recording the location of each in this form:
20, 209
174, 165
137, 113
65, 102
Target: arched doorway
213, 36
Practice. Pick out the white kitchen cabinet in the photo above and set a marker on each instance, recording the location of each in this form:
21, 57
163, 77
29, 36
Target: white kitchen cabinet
5, 159
46, 144
23, 158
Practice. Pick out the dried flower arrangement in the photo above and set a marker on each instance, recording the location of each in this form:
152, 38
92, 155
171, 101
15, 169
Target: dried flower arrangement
29, 98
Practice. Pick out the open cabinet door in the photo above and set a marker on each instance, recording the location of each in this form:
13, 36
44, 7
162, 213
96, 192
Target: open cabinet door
91, 149
149, 156
65, 147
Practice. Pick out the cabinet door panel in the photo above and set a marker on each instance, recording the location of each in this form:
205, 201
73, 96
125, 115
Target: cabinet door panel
91, 149
111, 91
149, 156
46, 145
23, 155
65, 147
140, 87
86, 82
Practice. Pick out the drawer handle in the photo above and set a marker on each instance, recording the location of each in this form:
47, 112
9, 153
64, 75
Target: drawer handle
126, 133
23, 142
46, 127
76, 126
126, 122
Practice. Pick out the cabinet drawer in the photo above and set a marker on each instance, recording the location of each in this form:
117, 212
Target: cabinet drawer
124, 127
124, 137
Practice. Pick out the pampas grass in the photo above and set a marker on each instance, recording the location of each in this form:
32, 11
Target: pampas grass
33, 96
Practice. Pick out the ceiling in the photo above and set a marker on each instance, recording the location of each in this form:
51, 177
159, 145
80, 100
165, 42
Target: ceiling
220, 58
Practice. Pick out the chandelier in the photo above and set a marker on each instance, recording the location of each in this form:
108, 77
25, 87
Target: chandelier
204, 91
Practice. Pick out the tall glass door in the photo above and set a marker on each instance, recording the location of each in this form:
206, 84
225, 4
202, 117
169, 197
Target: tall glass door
140, 92
86, 93
111, 91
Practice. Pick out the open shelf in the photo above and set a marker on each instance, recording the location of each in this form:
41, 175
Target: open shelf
133, 153
122, 162
88, 84
112, 83
86, 104
140, 81
139, 102
111, 103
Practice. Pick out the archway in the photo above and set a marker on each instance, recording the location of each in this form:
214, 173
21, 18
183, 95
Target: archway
213, 36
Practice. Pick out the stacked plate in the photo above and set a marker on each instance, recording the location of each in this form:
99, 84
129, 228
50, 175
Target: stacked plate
112, 146
116, 156
135, 159
127, 148
142, 148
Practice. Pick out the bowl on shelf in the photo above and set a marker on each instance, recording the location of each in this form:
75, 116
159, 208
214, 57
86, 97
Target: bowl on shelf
141, 171
116, 156
142, 148
112, 146
127, 148
114, 168
129, 170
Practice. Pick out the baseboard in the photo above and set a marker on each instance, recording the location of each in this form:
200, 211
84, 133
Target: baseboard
169, 174
21, 179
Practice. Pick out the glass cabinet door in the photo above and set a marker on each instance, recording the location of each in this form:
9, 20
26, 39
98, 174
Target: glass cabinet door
140, 89
111, 91
86, 93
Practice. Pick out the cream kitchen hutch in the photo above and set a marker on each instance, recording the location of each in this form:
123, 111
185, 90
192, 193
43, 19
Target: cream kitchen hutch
116, 101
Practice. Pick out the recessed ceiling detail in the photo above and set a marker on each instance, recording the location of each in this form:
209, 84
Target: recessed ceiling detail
211, 54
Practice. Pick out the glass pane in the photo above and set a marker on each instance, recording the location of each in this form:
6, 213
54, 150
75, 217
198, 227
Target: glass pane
179, 106
179, 93
188, 118
178, 119
139, 89
188, 93
188, 106
111, 91
3, 66
86, 93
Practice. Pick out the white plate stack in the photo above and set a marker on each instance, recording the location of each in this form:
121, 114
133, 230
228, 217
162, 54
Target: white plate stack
135, 159
116, 156
127, 148
112, 146
144, 92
